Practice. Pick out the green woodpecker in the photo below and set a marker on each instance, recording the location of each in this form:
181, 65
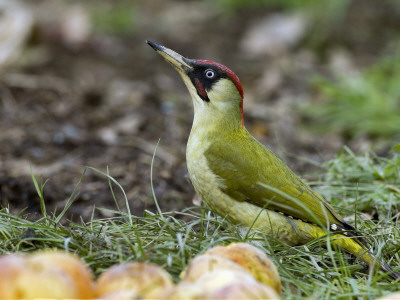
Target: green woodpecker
243, 180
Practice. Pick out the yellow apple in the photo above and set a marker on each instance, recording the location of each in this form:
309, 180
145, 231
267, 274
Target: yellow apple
71, 265
184, 291
245, 290
121, 295
252, 259
146, 279
206, 263
19, 280
46, 274
220, 278
11, 267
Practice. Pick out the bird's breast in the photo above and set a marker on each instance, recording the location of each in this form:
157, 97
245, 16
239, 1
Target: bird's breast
202, 177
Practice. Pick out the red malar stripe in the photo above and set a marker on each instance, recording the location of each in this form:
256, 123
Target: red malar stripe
200, 89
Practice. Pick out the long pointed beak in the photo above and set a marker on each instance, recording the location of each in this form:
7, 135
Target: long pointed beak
180, 63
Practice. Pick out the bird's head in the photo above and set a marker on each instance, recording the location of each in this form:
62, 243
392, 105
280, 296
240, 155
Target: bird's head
216, 91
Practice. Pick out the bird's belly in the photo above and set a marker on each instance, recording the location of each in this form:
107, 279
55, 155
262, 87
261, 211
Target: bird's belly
209, 187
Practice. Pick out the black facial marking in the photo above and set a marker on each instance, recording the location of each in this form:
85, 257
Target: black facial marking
203, 77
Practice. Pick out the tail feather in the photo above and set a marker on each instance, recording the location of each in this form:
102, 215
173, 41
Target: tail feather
351, 240
350, 231
388, 269
358, 249
356, 237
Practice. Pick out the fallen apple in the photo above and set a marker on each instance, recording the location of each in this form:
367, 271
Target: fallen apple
148, 280
252, 259
206, 263
184, 291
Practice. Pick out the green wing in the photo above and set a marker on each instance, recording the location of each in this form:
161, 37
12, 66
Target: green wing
251, 172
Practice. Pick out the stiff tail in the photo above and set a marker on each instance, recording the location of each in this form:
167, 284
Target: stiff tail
393, 274
350, 240
360, 251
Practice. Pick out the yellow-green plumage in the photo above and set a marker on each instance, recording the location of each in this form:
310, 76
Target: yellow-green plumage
242, 179
248, 168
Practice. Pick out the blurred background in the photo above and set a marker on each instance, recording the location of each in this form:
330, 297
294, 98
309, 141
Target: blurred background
80, 87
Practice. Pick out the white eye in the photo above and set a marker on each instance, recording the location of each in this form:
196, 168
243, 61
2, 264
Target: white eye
209, 73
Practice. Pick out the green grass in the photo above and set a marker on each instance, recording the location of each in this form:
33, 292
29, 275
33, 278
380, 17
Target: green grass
368, 182
171, 239
360, 105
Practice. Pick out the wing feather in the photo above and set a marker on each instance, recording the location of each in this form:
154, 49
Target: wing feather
254, 174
